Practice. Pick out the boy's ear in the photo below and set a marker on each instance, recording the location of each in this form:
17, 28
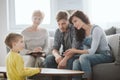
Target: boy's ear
13, 44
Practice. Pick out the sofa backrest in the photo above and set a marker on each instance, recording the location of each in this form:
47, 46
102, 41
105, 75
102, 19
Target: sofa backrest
113, 41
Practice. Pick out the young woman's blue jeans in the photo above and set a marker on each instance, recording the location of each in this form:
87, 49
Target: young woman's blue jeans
86, 61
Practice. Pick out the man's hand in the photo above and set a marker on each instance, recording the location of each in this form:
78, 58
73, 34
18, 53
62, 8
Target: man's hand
62, 64
68, 54
58, 59
56, 53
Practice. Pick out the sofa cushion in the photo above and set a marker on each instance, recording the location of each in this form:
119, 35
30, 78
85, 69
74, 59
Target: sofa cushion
118, 57
114, 42
117, 30
50, 44
110, 31
51, 33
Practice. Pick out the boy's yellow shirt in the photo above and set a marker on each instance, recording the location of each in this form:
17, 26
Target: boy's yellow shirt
15, 67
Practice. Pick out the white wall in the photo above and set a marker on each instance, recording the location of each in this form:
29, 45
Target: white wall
3, 31
70, 4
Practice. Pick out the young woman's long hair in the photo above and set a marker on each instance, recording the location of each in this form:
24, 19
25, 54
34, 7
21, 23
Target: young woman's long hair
80, 34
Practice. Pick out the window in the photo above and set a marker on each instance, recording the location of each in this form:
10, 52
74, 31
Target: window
105, 12
20, 12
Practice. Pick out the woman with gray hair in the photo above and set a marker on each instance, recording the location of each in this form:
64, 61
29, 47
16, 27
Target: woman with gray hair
36, 40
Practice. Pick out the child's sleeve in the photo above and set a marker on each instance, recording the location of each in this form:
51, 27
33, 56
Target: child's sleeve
22, 71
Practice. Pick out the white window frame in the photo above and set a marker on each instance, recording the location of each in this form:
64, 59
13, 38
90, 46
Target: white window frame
11, 17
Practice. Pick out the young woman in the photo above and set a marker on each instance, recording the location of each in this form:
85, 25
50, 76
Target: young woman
93, 38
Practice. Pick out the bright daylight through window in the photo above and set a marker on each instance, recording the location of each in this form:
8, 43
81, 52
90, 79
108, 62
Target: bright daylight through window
25, 8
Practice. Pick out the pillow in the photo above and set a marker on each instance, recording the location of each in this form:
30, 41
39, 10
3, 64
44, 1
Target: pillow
114, 42
110, 31
51, 33
117, 30
118, 57
50, 45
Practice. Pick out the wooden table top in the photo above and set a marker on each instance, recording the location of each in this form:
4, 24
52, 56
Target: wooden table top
51, 71
2, 69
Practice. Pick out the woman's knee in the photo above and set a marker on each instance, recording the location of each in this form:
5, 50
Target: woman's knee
84, 57
76, 65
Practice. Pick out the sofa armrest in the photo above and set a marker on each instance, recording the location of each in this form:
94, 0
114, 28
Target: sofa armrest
106, 71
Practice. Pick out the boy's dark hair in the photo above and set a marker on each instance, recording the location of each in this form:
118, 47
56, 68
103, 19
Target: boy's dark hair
12, 37
62, 15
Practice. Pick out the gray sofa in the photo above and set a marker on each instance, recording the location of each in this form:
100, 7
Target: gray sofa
109, 71
105, 71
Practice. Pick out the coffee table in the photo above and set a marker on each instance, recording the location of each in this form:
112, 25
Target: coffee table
50, 72
3, 71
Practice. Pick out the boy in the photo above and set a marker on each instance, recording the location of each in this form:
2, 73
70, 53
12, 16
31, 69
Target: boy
14, 62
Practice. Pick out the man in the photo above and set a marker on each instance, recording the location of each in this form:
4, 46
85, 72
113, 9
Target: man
64, 36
